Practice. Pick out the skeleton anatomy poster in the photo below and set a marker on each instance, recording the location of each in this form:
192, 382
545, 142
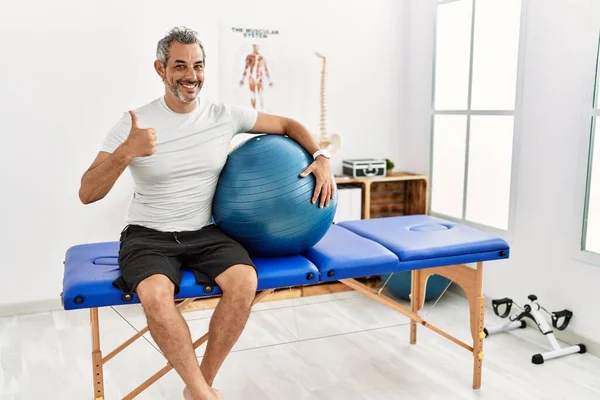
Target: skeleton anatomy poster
252, 63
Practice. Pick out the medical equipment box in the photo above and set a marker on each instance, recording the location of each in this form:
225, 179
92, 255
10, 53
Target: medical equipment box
360, 168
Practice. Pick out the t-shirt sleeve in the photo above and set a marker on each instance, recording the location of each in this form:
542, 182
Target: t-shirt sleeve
243, 118
117, 134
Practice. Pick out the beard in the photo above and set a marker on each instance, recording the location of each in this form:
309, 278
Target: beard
182, 93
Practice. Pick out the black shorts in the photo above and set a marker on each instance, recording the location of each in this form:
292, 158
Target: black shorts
206, 252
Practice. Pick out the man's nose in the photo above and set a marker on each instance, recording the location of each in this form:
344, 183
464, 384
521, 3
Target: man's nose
190, 74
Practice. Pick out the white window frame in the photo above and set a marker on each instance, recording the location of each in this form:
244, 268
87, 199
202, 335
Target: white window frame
590, 112
507, 234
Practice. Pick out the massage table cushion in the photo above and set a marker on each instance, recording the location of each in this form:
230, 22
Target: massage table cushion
350, 249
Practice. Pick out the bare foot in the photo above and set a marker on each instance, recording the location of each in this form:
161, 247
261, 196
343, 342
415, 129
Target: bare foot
215, 395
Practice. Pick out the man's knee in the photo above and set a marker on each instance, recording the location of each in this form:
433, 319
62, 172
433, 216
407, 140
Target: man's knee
156, 292
239, 282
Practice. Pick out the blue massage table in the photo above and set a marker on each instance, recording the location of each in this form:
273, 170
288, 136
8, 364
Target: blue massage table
422, 244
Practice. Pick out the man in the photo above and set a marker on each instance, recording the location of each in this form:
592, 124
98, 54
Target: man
175, 148
255, 67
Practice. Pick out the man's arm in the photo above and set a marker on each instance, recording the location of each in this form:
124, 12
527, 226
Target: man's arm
267, 72
273, 124
101, 176
245, 70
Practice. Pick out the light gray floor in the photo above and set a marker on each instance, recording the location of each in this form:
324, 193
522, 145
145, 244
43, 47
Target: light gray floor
342, 346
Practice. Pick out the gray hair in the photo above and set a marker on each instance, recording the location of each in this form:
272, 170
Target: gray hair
178, 34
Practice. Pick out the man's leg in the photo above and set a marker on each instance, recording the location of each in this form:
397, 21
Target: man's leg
252, 87
259, 89
171, 333
238, 284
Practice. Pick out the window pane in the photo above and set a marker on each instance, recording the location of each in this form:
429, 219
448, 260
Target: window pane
450, 132
592, 240
495, 54
597, 101
452, 55
490, 159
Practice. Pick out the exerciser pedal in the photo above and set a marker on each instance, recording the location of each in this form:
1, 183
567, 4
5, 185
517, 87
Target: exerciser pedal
532, 310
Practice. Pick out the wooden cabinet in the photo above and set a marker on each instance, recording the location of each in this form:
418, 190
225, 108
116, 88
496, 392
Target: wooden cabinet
401, 193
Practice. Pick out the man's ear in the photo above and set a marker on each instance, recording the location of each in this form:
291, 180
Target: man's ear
160, 70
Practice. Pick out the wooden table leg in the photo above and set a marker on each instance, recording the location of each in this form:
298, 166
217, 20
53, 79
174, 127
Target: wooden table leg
96, 356
471, 281
477, 306
417, 295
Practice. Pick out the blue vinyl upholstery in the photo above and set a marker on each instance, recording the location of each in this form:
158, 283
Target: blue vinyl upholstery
90, 270
423, 241
342, 254
349, 250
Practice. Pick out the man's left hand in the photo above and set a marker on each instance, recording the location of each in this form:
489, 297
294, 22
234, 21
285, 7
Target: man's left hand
325, 186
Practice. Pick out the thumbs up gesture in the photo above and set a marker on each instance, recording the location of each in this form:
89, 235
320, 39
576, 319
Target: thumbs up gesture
141, 141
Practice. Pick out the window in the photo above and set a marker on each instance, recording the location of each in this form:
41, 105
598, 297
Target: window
591, 232
474, 101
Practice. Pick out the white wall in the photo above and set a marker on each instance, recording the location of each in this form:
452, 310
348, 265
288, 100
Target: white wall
70, 69
561, 39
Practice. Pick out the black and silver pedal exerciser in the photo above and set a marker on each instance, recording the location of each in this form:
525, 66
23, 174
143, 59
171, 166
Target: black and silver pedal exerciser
532, 310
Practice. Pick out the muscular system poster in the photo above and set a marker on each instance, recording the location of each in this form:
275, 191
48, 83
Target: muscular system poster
252, 63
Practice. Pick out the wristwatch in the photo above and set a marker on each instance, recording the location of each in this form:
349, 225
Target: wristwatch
321, 152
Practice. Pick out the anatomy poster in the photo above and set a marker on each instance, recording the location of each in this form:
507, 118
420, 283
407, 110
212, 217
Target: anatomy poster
252, 68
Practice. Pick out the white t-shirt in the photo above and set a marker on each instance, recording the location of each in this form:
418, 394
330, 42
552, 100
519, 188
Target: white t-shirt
174, 187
